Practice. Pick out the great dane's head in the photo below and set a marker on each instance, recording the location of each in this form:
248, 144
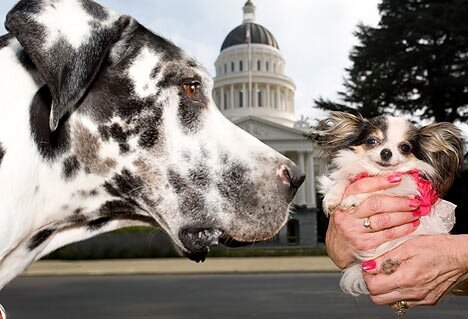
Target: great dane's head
130, 118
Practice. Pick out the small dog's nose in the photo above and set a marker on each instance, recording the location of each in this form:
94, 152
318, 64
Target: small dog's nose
386, 154
291, 175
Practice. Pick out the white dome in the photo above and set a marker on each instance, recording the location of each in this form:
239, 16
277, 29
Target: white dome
272, 92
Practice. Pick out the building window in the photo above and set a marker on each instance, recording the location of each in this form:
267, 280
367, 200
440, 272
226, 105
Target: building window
241, 98
241, 66
293, 229
274, 67
259, 65
225, 101
259, 98
232, 66
267, 66
225, 68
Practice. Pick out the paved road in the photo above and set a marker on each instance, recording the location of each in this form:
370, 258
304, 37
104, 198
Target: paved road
272, 296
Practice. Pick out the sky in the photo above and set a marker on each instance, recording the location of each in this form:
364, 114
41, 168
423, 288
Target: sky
314, 36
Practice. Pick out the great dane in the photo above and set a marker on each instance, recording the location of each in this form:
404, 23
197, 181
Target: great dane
104, 125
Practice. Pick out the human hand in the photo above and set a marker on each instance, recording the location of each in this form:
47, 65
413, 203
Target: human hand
430, 266
390, 218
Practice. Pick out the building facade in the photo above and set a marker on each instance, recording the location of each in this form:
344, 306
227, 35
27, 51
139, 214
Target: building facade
252, 90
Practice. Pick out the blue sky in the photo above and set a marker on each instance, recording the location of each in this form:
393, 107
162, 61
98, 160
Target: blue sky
315, 36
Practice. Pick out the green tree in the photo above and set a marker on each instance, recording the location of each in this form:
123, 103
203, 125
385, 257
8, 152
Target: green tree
414, 61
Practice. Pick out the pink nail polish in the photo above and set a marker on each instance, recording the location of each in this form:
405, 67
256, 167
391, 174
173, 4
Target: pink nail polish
368, 265
414, 202
394, 178
416, 223
416, 213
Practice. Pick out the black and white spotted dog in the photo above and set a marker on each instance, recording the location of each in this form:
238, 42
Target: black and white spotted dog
105, 125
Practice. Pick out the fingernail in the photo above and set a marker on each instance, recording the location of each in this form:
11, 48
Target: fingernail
394, 178
416, 213
414, 202
368, 265
416, 223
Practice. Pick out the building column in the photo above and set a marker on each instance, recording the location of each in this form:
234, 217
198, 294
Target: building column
310, 180
232, 96
244, 95
267, 98
290, 99
278, 97
222, 98
301, 193
256, 95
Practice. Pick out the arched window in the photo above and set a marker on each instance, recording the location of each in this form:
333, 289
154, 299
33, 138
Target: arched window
293, 229
232, 66
241, 65
225, 68
259, 65
267, 66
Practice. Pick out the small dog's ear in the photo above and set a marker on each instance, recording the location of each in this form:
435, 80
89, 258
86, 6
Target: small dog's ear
441, 145
337, 131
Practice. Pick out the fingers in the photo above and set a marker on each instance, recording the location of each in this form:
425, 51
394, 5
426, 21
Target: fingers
372, 240
373, 184
385, 204
384, 221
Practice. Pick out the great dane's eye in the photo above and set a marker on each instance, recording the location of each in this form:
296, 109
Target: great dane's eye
191, 89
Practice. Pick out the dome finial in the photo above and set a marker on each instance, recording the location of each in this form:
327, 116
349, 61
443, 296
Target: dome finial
249, 12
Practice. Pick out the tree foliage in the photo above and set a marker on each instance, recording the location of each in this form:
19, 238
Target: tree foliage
415, 61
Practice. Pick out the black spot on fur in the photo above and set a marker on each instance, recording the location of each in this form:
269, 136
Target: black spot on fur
150, 127
2, 153
117, 208
124, 185
93, 193
237, 188
191, 200
124, 148
4, 39
190, 113
98, 223
104, 131
77, 218
94, 9
200, 176
118, 134
39, 238
155, 71
71, 167
50, 145
25, 60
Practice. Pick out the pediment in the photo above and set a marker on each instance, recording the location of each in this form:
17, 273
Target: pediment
265, 130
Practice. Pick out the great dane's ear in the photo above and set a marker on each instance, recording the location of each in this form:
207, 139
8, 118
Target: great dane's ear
67, 40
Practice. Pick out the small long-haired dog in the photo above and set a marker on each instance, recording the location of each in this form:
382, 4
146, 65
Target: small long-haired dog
428, 159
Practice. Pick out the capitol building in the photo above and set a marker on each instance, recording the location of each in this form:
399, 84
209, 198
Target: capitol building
252, 90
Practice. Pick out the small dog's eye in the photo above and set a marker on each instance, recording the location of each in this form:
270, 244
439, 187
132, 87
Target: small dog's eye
372, 141
192, 88
405, 148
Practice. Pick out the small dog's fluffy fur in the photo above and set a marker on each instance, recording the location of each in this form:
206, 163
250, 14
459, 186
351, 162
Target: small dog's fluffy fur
382, 146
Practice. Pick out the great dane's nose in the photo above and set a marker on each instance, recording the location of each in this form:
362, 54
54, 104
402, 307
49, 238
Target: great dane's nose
291, 175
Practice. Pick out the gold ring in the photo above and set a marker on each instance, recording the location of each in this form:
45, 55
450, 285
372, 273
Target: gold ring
402, 305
